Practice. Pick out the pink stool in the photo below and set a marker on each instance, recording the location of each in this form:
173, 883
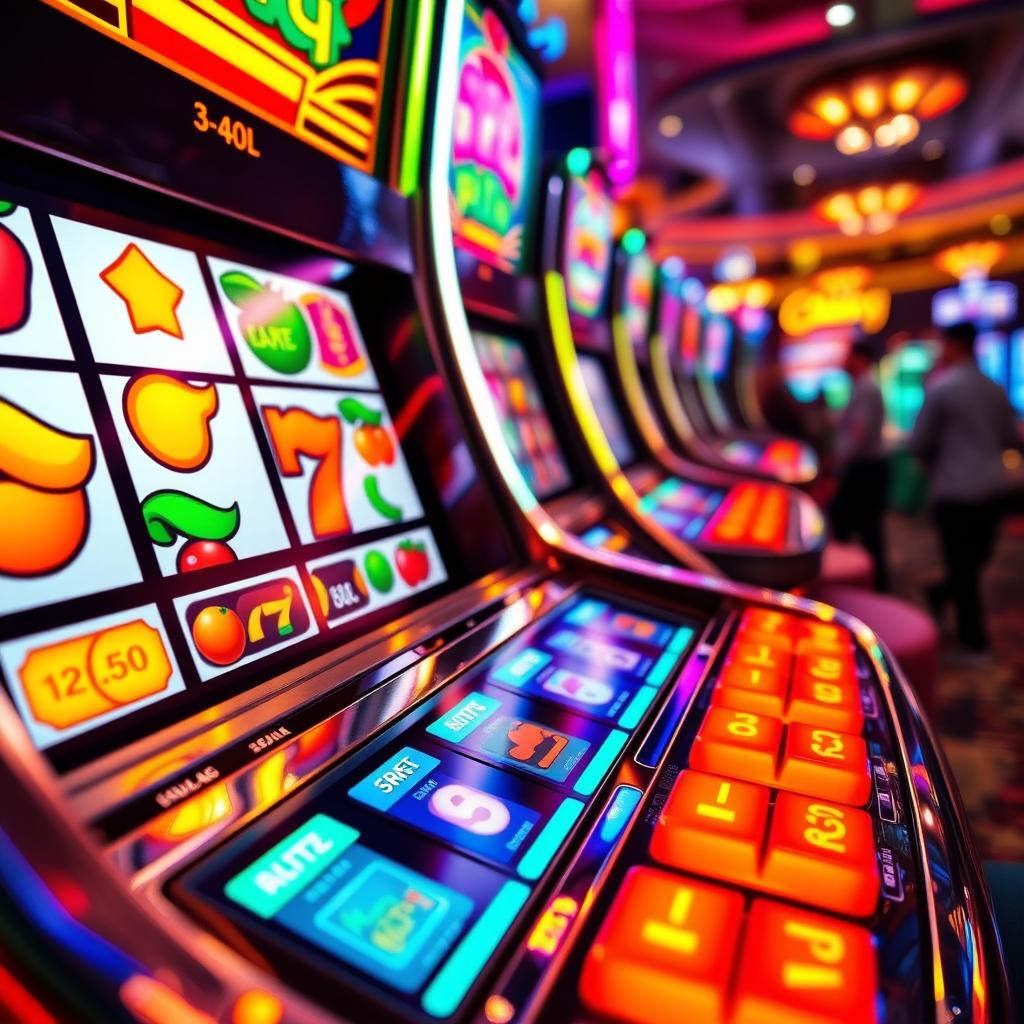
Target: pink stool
847, 565
908, 632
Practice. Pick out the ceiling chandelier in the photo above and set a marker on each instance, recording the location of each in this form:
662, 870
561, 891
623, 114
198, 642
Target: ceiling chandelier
873, 208
880, 108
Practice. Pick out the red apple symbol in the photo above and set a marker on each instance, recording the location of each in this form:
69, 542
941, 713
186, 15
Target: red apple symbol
15, 281
412, 562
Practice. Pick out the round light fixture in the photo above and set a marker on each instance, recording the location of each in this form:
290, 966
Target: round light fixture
670, 125
872, 209
804, 174
883, 107
840, 15
933, 149
1001, 224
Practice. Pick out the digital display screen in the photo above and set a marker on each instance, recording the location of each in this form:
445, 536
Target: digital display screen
587, 243
399, 872
524, 419
596, 381
682, 507
637, 297
718, 335
319, 76
993, 355
495, 145
202, 483
1017, 370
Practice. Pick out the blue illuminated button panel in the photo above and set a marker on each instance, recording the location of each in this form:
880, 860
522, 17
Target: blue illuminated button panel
402, 870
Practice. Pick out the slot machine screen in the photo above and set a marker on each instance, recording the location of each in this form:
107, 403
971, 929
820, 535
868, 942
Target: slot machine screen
524, 419
587, 255
1017, 370
596, 380
494, 163
718, 335
206, 480
637, 297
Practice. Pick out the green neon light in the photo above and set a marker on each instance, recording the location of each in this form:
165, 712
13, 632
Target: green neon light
633, 241
577, 163
416, 99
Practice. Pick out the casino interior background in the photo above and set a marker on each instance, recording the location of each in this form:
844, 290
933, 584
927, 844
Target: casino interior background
422, 432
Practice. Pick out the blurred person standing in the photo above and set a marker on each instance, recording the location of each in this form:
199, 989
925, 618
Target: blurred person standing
858, 508
962, 431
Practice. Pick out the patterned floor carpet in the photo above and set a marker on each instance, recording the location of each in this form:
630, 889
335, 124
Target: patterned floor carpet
981, 718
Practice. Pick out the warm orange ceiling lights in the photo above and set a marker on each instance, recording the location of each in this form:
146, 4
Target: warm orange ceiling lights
873, 209
881, 108
971, 259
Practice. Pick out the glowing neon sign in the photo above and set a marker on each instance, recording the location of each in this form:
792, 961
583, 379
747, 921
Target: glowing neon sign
493, 165
588, 243
837, 298
315, 70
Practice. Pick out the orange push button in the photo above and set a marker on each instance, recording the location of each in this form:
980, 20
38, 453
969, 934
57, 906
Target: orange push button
825, 763
826, 692
666, 944
801, 968
714, 826
769, 620
824, 854
738, 744
780, 641
825, 637
744, 688
758, 654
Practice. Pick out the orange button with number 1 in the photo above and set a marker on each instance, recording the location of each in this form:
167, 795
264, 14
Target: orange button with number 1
769, 620
824, 854
666, 944
760, 690
713, 826
737, 744
802, 968
825, 763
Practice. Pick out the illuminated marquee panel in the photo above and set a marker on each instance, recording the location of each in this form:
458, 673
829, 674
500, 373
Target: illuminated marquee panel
319, 77
494, 145
588, 243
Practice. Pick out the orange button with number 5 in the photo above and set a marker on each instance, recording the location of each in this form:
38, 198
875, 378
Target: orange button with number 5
802, 968
744, 688
738, 744
824, 854
713, 826
825, 763
826, 692
666, 946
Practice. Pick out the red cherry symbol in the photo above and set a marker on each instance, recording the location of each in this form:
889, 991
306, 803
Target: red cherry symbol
412, 562
201, 554
15, 282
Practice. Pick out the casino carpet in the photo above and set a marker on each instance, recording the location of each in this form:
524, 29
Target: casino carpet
981, 717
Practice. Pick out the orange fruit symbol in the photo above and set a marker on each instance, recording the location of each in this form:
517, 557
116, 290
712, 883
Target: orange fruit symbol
219, 635
44, 511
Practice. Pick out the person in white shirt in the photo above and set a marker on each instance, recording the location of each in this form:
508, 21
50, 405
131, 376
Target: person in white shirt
964, 427
858, 508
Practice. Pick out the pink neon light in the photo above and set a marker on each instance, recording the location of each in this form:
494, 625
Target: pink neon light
615, 53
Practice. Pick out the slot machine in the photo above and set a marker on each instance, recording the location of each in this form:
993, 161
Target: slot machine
702, 384
298, 724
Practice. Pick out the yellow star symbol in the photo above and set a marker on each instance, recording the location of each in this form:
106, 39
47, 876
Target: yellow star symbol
150, 296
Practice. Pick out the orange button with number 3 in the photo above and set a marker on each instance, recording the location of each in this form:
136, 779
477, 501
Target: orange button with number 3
824, 854
802, 968
666, 944
825, 763
738, 744
713, 826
